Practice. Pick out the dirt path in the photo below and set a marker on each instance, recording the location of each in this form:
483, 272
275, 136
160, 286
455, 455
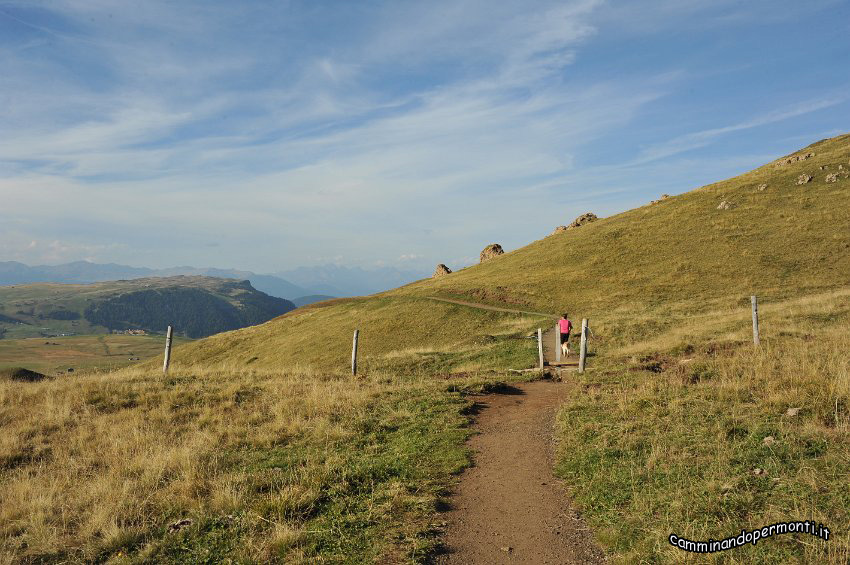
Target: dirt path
488, 307
509, 508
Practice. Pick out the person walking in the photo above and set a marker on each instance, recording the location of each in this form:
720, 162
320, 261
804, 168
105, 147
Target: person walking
566, 326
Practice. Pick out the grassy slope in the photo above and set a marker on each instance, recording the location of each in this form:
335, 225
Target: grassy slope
412, 334
269, 466
782, 241
677, 257
668, 440
50, 356
637, 274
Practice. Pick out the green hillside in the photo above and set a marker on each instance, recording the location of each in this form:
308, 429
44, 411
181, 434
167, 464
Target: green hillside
638, 274
196, 306
783, 240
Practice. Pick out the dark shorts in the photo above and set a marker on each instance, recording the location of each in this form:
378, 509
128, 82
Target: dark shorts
565, 338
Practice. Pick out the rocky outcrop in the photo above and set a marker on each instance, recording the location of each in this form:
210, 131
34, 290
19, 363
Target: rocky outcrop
726, 205
762, 187
492, 250
582, 220
804, 178
559, 229
21, 374
441, 271
663, 197
832, 177
793, 159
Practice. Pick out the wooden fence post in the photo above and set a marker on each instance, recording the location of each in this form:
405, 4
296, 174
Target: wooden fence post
540, 346
557, 343
354, 353
755, 303
168, 336
583, 349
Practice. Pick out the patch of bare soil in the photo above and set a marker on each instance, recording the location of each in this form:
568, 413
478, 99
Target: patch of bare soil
508, 507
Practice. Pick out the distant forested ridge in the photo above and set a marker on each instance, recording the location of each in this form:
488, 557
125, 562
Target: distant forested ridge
192, 311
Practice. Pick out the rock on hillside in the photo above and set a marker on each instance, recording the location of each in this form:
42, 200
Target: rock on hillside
582, 220
441, 271
793, 159
21, 374
492, 250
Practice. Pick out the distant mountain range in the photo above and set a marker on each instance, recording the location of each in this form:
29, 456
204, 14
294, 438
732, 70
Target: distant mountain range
303, 285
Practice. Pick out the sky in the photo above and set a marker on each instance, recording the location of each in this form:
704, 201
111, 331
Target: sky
268, 135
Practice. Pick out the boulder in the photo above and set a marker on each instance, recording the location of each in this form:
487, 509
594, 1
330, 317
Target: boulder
832, 177
726, 205
804, 178
663, 197
559, 229
492, 250
582, 220
762, 187
441, 271
21, 374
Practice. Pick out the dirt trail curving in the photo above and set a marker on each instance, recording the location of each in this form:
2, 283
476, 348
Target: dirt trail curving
488, 307
509, 508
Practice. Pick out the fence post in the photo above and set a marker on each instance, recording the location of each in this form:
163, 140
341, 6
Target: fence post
557, 343
583, 349
540, 347
354, 353
168, 335
755, 302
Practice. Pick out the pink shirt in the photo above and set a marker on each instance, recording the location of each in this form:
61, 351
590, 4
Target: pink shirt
566, 326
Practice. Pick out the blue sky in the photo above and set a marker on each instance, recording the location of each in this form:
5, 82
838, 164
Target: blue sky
270, 135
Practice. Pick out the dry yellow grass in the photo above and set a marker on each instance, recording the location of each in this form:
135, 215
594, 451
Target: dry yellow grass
728, 319
668, 442
97, 468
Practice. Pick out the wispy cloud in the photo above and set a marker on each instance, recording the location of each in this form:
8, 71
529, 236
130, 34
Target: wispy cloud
696, 140
388, 131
